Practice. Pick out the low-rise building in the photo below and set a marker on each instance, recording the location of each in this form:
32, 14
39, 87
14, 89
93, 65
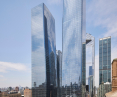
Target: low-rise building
27, 93
5, 94
103, 89
114, 75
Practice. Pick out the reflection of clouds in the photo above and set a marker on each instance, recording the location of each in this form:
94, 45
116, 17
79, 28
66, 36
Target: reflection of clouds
52, 44
42, 49
37, 21
72, 42
38, 51
51, 27
38, 66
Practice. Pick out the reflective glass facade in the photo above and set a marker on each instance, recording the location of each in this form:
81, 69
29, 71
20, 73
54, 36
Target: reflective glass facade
90, 62
90, 83
90, 70
44, 68
84, 64
105, 60
59, 72
73, 38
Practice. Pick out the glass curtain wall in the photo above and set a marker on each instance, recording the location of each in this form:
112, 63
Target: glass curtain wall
59, 72
90, 62
72, 40
104, 60
44, 68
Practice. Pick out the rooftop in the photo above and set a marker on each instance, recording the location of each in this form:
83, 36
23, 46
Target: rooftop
105, 38
111, 94
115, 59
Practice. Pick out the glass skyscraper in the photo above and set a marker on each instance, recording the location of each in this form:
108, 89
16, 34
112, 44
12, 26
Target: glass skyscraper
90, 81
90, 70
44, 68
59, 72
104, 60
72, 40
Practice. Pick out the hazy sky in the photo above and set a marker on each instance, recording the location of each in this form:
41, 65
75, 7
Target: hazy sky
15, 34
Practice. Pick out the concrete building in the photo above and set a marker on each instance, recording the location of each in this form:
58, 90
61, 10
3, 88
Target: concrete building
114, 75
27, 93
103, 89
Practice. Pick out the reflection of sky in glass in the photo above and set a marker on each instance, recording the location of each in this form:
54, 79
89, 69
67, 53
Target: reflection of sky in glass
44, 68
72, 43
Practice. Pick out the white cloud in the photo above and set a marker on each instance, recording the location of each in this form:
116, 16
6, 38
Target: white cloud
6, 66
1, 76
103, 13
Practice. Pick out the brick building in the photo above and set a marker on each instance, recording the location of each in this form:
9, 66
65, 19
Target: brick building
114, 75
27, 93
5, 94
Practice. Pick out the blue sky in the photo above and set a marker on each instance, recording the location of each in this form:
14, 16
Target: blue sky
15, 34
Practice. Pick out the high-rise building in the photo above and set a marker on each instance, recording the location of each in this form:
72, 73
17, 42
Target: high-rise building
90, 51
84, 64
90, 70
90, 63
104, 60
90, 81
59, 72
72, 40
44, 67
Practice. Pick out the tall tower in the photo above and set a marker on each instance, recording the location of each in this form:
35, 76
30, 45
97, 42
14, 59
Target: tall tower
90, 62
104, 60
44, 68
59, 72
72, 40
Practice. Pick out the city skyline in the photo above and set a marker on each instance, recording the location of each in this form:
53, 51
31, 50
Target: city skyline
15, 47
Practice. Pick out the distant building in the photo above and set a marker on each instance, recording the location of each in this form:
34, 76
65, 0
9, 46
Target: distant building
13, 94
10, 89
114, 75
17, 89
27, 93
104, 60
103, 89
